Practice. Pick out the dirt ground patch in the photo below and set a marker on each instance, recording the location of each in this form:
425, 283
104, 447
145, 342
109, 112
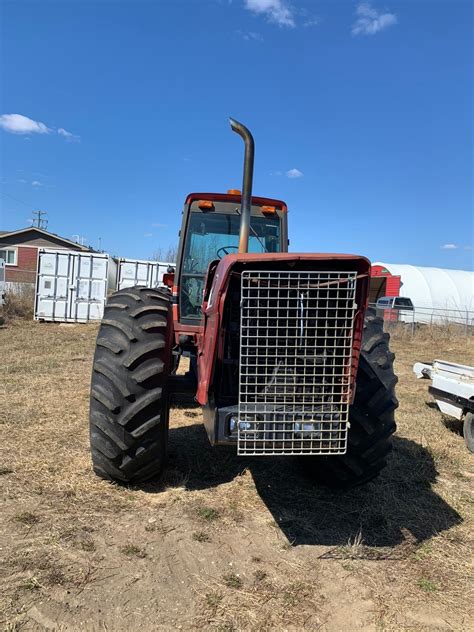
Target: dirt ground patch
222, 542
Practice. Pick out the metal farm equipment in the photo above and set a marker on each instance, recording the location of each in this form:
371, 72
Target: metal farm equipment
452, 386
285, 359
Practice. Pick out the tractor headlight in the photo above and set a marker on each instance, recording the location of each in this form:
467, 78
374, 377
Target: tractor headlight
307, 430
245, 426
233, 421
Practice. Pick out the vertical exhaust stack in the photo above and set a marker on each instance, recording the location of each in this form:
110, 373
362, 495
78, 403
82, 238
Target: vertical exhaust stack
247, 183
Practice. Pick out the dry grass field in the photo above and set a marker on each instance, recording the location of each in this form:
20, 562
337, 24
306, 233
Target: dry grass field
223, 543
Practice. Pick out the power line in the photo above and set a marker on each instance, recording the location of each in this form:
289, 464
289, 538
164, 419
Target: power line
38, 221
17, 200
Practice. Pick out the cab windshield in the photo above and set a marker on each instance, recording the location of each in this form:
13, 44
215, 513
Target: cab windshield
212, 236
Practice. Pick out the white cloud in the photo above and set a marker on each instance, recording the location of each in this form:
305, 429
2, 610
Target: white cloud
19, 124
148, 235
36, 183
158, 225
250, 36
277, 11
68, 135
370, 21
294, 173
449, 247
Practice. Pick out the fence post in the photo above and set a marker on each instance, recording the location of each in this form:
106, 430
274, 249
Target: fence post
467, 321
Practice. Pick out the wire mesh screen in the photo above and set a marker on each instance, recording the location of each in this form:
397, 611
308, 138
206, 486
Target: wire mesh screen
295, 359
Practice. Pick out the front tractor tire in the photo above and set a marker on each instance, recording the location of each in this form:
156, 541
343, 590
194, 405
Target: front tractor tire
371, 416
129, 403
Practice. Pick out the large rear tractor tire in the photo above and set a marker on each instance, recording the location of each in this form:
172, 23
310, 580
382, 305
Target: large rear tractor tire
468, 431
129, 399
371, 416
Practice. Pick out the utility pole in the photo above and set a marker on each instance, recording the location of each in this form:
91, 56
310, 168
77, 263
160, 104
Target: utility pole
38, 221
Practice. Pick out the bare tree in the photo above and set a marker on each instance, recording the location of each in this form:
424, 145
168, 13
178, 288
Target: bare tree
169, 254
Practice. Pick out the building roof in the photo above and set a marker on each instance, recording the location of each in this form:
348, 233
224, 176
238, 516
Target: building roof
438, 288
68, 243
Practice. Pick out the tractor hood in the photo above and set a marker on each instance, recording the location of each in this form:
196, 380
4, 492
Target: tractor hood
211, 337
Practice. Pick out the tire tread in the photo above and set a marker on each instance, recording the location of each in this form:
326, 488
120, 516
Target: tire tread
129, 403
372, 415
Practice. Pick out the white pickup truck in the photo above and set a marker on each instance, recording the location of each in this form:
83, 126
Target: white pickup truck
453, 389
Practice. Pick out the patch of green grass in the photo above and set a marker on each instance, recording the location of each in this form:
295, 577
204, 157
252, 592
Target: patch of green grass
422, 552
131, 550
31, 584
213, 599
231, 580
209, 514
201, 536
427, 585
27, 518
235, 513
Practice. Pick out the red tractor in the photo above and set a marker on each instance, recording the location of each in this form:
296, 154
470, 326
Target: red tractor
285, 358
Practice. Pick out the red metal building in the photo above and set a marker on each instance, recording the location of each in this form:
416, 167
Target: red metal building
383, 283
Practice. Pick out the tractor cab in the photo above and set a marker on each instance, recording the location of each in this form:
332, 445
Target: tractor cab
211, 225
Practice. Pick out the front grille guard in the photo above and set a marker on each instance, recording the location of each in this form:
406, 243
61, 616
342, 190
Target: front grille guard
295, 361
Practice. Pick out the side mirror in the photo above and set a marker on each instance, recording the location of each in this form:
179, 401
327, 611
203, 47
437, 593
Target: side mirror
168, 279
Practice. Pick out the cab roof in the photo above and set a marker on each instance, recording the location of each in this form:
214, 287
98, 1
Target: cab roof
232, 197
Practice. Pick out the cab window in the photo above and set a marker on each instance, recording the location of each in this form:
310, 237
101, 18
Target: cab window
210, 237
403, 302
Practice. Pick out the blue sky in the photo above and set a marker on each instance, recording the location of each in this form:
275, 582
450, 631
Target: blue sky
361, 112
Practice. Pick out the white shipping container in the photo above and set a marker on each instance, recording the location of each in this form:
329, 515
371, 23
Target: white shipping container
133, 272
72, 286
